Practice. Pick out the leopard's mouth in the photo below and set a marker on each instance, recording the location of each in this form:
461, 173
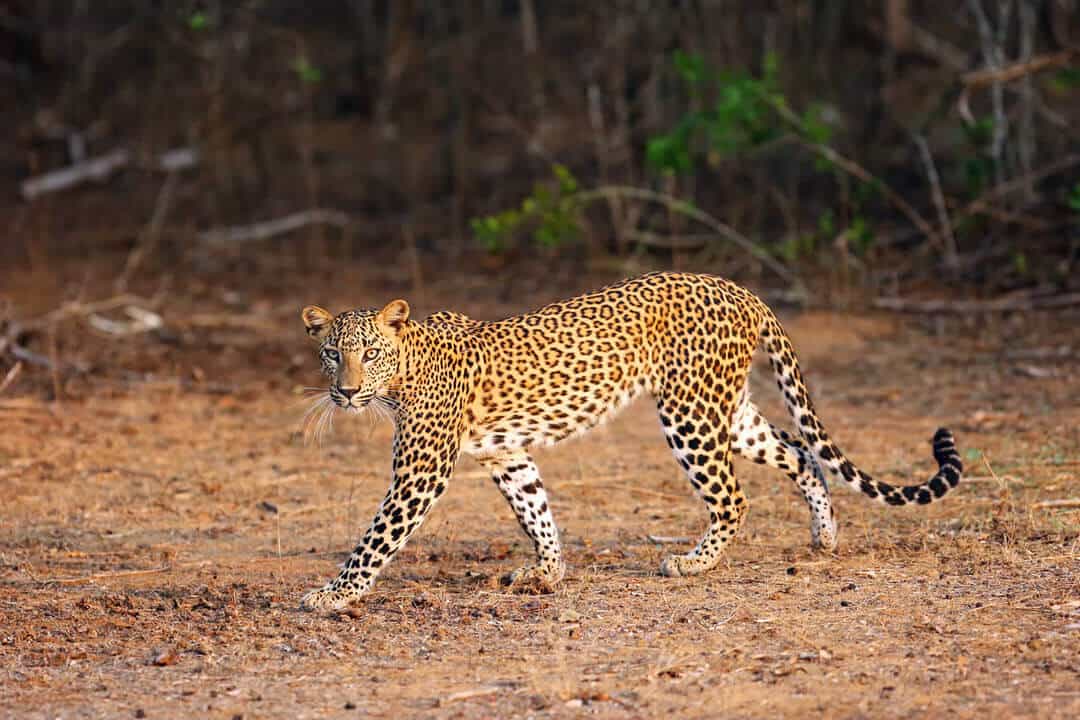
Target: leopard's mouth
356, 403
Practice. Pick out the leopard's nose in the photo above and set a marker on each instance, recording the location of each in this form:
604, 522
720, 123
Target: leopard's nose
348, 392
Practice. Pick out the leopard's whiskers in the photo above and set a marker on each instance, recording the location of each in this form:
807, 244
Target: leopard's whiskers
324, 422
314, 418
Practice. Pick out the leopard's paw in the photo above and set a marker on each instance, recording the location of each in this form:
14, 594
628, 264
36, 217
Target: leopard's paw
672, 566
824, 540
534, 580
327, 598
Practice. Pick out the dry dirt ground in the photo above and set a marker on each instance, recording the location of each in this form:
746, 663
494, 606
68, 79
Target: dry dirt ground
161, 520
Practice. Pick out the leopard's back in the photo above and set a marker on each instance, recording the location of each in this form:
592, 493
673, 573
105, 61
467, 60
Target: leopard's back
558, 371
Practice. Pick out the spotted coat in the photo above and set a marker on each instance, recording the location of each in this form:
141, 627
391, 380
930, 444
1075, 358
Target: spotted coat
496, 390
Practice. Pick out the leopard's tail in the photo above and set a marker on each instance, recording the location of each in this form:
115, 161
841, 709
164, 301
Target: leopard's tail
786, 369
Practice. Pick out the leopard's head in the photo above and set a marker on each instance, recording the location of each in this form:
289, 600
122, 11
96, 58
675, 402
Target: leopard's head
360, 350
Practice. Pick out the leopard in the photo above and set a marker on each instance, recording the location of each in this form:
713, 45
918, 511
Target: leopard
498, 390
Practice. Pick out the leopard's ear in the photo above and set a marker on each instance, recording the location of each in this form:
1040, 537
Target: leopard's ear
316, 321
394, 315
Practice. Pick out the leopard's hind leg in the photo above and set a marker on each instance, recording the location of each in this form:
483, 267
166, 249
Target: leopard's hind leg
516, 476
756, 439
699, 437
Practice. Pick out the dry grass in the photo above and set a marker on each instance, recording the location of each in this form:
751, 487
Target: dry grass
143, 566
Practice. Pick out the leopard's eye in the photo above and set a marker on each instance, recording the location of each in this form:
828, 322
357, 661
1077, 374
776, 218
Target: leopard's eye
332, 355
371, 353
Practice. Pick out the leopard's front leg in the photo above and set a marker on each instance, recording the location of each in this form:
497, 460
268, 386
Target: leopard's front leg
424, 458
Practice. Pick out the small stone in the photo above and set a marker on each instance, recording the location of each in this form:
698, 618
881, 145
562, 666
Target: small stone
568, 615
165, 657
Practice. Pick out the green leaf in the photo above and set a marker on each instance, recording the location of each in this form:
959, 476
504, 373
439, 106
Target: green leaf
980, 132
308, 73
826, 223
690, 66
861, 234
1073, 199
668, 153
198, 21
568, 184
814, 127
770, 69
1020, 262
1065, 80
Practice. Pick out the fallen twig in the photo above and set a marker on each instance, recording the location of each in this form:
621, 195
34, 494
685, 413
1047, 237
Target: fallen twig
271, 228
668, 539
99, 576
1062, 503
960, 307
469, 694
621, 487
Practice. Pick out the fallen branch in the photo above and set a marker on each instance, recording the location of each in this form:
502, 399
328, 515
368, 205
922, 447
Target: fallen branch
9, 344
271, 228
96, 169
10, 340
959, 307
101, 167
141, 321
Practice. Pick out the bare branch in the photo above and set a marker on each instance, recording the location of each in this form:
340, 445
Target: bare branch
939, 201
856, 170
982, 204
684, 208
989, 76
